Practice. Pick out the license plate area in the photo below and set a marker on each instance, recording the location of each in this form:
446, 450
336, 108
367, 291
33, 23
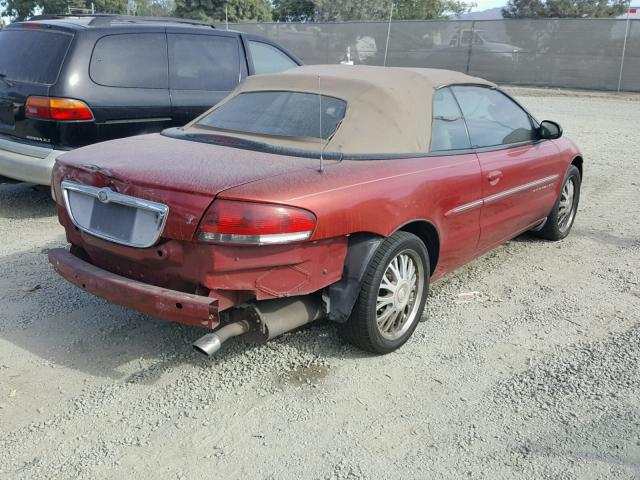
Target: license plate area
113, 219
112, 216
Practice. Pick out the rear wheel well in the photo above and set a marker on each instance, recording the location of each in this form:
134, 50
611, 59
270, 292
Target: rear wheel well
426, 232
578, 163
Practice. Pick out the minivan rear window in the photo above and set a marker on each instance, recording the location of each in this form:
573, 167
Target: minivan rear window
286, 114
32, 56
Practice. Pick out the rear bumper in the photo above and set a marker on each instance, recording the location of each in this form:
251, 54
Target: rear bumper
159, 302
27, 163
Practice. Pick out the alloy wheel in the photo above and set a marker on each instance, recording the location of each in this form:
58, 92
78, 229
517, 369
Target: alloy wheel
399, 294
566, 207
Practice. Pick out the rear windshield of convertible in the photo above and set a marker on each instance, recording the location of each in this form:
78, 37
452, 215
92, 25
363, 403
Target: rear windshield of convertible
284, 114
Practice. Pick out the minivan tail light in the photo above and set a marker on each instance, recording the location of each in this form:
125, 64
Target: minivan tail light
248, 223
60, 109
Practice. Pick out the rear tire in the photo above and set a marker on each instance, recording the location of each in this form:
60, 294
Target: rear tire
392, 296
561, 218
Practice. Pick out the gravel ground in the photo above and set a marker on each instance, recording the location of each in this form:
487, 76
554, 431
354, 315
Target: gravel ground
535, 376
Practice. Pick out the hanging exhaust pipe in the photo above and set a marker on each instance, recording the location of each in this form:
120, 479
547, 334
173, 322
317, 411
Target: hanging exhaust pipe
262, 321
211, 343
275, 317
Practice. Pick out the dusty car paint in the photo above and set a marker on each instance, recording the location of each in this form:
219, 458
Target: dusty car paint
459, 203
452, 193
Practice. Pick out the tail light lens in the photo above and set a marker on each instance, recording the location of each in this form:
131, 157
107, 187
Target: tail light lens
62, 109
248, 223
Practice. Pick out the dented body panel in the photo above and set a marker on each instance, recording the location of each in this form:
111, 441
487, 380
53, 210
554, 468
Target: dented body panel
244, 220
350, 197
157, 301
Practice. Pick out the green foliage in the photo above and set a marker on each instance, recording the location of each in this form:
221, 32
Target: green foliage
564, 8
27, 8
427, 9
19, 8
155, 8
214, 10
357, 10
345, 10
293, 10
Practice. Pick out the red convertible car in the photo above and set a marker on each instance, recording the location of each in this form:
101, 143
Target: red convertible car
333, 192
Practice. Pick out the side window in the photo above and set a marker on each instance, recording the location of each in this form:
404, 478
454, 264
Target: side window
492, 117
203, 62
268, 59
448, 131
130, 60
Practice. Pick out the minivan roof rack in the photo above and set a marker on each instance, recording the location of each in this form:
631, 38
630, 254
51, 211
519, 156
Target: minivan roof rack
103, 19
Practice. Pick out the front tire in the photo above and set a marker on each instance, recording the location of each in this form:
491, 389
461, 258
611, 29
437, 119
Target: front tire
561, 218
392, 296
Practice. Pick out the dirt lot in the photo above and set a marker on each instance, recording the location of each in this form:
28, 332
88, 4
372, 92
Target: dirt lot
536, 376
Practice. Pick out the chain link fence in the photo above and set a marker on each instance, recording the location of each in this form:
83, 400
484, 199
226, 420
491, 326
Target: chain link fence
601, 54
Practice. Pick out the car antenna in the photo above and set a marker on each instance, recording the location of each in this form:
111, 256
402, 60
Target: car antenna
322, 145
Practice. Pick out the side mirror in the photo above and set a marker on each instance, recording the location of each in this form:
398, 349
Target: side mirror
550, 130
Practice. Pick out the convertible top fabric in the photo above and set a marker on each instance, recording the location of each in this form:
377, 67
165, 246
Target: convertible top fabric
388, 109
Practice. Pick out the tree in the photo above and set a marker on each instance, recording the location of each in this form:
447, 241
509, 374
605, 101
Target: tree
155, 8
345, 10
214, 10
427, 9
19, 8
564, 8
27, 8
294, 10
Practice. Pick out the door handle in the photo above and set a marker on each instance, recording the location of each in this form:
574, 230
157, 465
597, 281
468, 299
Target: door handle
494, 177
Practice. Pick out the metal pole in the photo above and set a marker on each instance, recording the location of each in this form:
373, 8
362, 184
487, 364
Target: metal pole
473, 30
386, 47
624, 47
321, 142
226, 16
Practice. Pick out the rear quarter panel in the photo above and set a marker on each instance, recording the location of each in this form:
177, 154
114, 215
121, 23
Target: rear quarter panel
381, 196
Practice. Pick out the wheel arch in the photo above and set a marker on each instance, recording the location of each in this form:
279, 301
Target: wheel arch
428, 233
342, 295
578, 162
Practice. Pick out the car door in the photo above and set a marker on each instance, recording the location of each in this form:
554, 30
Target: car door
520, 172
203, 69
128, 92
459, 186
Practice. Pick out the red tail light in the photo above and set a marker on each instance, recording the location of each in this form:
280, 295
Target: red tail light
62, 109
255, 223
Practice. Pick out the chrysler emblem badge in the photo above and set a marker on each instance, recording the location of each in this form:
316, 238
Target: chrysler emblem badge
103, 196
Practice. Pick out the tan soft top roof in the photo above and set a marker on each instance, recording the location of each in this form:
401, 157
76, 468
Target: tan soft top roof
388, 108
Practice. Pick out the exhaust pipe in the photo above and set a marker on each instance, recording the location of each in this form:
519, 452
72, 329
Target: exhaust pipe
211, 343
263, 321
282, 315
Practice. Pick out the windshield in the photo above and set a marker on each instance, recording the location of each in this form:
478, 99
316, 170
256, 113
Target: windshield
284, 114
31, 55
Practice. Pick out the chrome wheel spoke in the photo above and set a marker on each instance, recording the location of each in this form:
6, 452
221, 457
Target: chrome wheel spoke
384, 318
393, 266
387, 285
383, 301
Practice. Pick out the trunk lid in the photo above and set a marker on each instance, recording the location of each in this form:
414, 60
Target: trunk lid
184, 175
31, 63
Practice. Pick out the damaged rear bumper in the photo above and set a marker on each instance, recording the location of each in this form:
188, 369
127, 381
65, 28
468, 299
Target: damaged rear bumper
156, 301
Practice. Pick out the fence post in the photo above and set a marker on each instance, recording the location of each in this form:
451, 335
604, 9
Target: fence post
386, 45
624, 47
473, 26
